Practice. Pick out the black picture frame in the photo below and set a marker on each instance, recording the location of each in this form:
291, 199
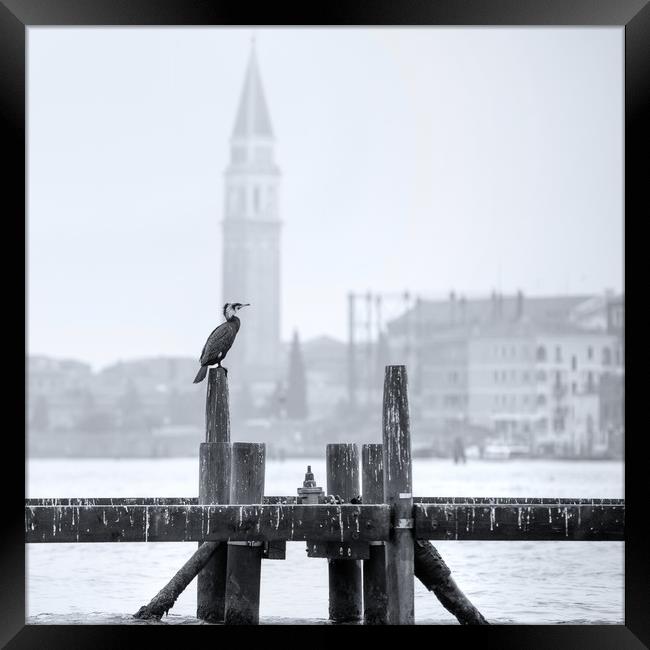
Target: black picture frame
17, 15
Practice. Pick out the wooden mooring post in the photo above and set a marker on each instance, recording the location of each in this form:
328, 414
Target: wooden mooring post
214, 488
245, 558
345, 587
398, 494
374, 568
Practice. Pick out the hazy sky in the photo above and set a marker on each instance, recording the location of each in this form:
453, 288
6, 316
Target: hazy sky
427, 159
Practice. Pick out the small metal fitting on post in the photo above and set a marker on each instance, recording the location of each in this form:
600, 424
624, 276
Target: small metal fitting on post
309, 492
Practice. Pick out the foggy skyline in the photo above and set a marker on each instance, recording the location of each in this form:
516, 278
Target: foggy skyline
428, 159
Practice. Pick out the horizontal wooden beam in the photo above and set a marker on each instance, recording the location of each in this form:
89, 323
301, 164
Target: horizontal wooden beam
577, 522
193, 523
157, 520
140, 501
520, 501
272, 500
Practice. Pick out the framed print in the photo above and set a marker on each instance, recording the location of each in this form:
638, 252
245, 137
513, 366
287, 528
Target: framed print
325, 319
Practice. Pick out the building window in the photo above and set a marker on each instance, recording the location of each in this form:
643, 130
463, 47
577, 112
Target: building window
541, 353
256, 199
590, 353
574, 388
541, 375
607, 356
270, 199
541, 400
558, 354
574, 362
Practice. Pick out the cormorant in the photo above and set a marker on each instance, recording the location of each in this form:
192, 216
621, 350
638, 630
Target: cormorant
220, 341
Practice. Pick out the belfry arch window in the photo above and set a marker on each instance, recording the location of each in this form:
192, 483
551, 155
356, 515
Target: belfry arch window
607, 356
541, 353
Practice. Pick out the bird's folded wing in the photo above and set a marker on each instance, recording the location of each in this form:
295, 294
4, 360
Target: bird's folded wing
219, 340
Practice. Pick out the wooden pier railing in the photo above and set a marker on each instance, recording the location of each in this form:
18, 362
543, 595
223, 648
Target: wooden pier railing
375, 546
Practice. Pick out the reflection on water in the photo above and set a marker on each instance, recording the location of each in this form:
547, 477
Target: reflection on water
510, 582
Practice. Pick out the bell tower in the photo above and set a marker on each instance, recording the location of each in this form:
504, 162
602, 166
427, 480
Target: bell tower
251, 233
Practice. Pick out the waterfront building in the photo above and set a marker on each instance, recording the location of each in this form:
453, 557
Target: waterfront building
527, 371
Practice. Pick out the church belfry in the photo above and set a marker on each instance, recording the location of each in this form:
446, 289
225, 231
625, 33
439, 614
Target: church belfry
251, 232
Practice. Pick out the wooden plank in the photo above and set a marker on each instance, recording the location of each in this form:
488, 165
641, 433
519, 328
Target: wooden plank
177, 523
374, 568
517, 522
345, 585
184, 523
279, 499
245, 561
398, 494
524, 501
112, 501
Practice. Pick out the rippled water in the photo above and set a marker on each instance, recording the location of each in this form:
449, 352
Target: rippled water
509, 582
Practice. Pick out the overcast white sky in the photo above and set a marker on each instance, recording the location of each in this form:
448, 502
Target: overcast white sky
427, 159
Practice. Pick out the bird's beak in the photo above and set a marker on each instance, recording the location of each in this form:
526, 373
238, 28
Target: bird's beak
247, 304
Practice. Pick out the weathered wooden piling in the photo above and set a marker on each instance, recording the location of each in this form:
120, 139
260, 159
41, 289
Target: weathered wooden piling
435, 575
164, 600
245, 558
217, 410
374, 568
345, 586
398, 494
214, 487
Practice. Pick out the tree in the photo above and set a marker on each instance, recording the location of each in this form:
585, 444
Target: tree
297, 384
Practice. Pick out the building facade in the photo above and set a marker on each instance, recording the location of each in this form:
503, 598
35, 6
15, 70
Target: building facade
544, 374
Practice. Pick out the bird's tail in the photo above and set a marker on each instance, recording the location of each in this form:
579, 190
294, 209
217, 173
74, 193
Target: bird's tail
200, 375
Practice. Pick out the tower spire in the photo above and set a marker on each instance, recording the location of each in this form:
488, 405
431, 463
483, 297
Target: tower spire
252, 115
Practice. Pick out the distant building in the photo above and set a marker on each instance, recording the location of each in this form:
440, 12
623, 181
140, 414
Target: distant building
251, 235
324, 359
528, 370
57, 392
66, 395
